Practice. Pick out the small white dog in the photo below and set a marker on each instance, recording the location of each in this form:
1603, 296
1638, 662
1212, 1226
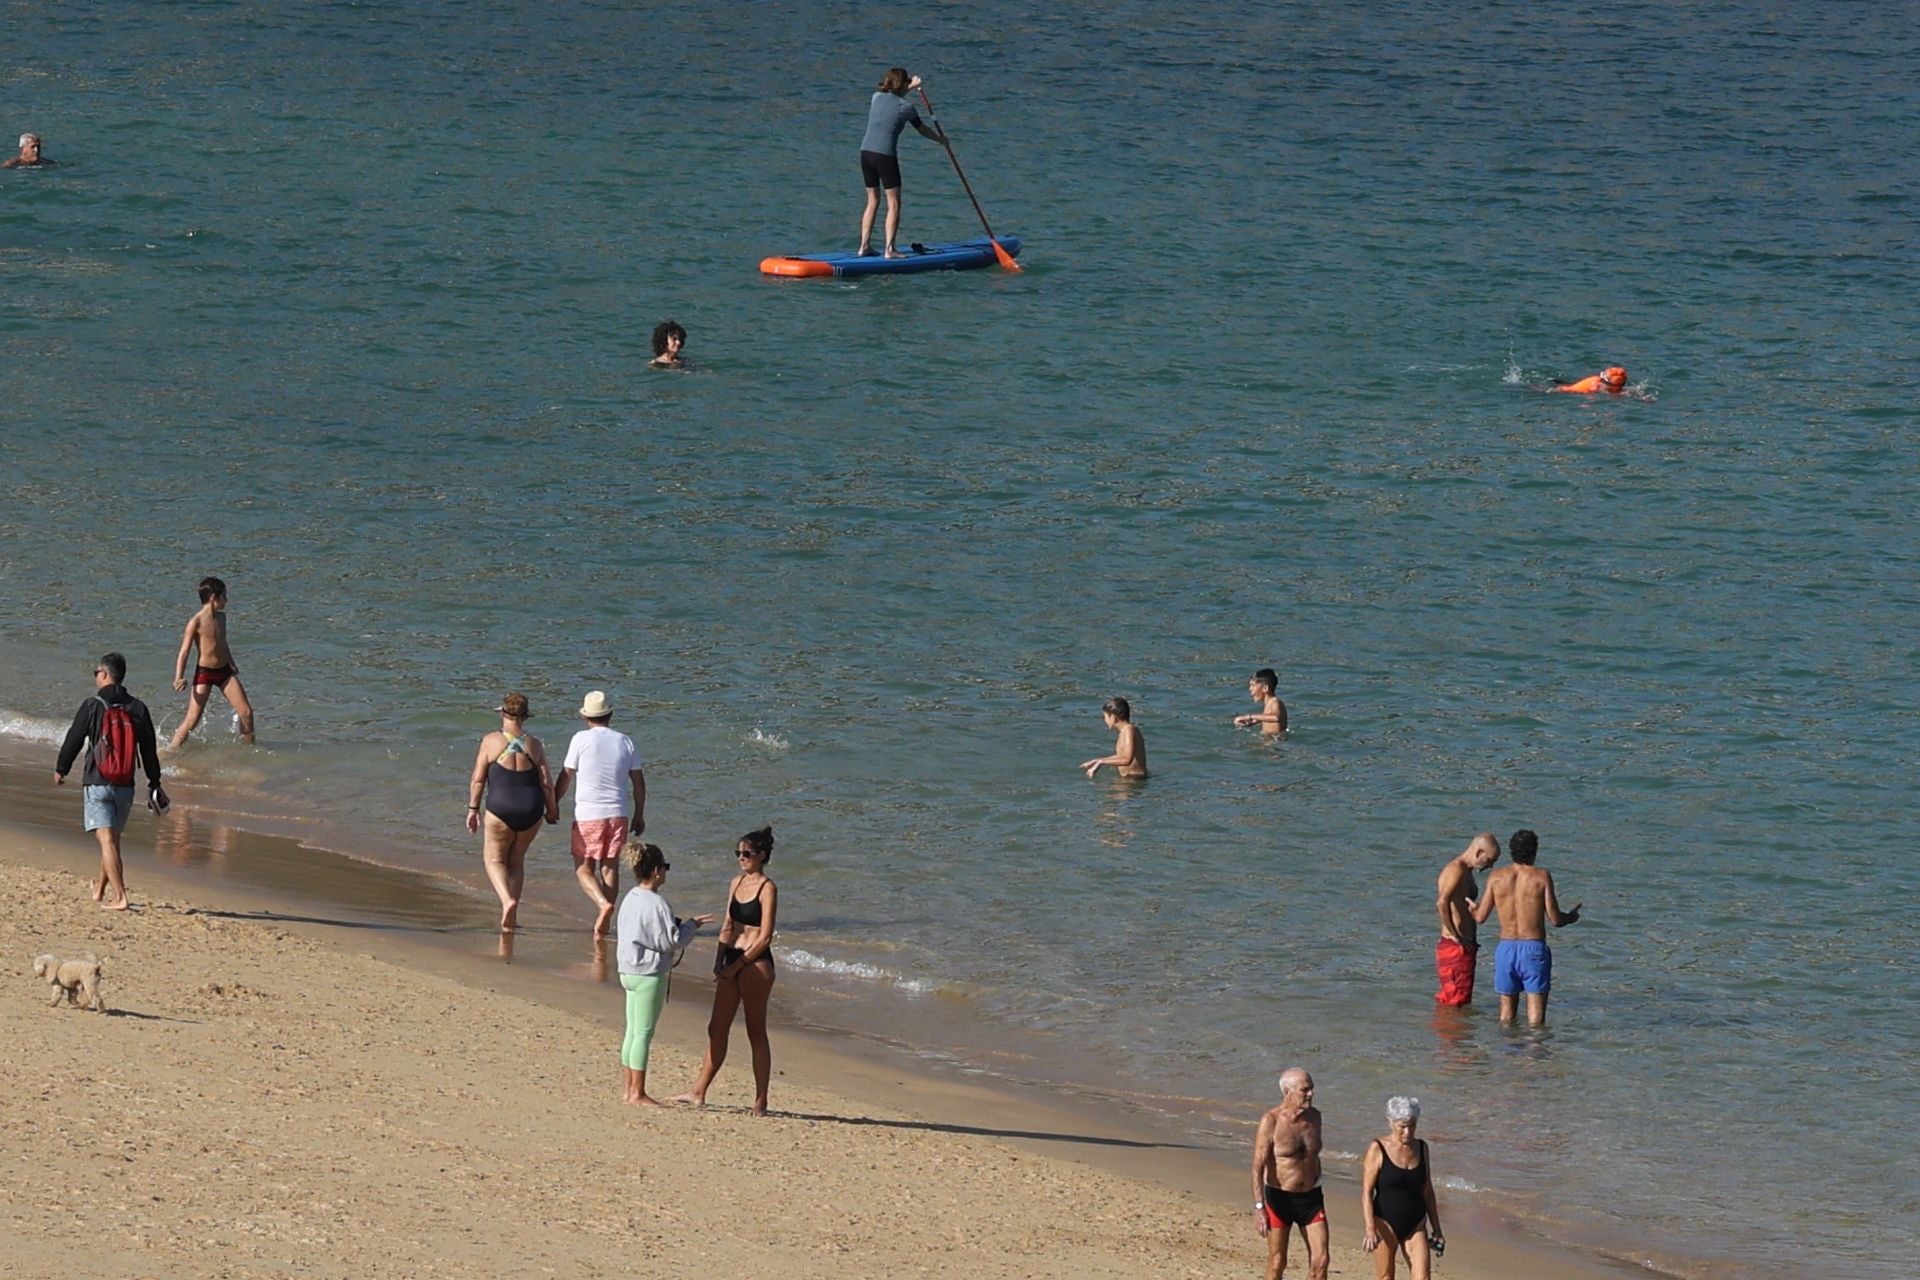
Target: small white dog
72, 979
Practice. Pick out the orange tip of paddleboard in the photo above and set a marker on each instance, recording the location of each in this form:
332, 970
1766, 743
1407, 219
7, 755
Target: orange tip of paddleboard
795, 267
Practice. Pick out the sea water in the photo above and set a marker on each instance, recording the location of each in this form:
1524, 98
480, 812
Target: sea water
349, 304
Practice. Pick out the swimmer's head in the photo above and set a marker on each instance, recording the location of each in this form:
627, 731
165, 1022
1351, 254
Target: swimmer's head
212, 589
1266, 679
29, 140
1614, 378
1483, 850
665, 330
1118, 708
646, 859
1524, 847
1295, 1080
895, 81
1403, 1110
514, 706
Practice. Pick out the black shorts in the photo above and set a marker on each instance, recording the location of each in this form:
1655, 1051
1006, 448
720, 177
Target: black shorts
877, 170
1294, 1208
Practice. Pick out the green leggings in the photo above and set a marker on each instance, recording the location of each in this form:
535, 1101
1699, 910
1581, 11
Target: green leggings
646, 996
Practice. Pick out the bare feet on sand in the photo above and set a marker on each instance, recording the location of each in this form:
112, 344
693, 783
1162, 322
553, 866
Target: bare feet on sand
644, 1100
688, 1099
119, 904
600, 923
99, 887
509, 918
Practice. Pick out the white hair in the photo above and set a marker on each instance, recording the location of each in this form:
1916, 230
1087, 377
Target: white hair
1399, 1109
25, 138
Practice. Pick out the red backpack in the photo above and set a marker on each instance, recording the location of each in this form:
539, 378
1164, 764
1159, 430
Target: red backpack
114, 745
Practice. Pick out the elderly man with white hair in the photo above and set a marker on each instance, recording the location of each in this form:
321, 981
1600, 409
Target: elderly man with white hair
29, 157
1286, 1177
1397, 1203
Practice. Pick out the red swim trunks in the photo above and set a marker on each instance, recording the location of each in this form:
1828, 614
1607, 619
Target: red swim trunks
599, 839
215, 676
1454, 962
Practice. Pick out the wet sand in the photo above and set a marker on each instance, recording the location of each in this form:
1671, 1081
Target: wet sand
347, 1079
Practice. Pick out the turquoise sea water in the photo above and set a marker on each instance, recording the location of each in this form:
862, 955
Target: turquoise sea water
350, 305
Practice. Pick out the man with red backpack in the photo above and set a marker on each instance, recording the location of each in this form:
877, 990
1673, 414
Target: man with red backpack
120, 729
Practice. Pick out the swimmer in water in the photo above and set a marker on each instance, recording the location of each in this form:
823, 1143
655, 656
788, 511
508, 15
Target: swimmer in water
1610, 381
29, 157
668, 339
1272, 716
1129, 758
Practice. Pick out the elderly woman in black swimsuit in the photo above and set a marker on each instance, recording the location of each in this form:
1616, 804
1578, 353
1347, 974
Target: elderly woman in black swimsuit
743, 971
511, 772
1396, 1196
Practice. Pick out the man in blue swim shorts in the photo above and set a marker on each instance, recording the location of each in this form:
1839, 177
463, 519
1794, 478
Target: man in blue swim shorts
1523, 895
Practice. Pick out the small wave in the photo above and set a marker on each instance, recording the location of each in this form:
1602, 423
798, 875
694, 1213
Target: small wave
771, 741
14, 724
1459, 1184
853, 969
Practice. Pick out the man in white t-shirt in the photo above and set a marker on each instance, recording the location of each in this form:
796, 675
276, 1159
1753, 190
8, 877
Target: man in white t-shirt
607, 769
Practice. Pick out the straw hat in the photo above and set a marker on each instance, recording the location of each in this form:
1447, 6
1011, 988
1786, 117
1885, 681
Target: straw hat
595, 706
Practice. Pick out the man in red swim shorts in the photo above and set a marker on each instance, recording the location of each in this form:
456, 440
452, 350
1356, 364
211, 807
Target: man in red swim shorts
1459, 943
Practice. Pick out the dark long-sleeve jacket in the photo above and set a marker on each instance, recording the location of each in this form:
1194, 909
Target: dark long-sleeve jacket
86, 729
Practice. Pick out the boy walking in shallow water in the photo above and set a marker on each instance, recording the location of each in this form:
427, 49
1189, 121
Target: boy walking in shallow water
214, 668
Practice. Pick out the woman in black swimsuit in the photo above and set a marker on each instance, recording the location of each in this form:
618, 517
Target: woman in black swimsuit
511, 771
743, 971
1396, 1196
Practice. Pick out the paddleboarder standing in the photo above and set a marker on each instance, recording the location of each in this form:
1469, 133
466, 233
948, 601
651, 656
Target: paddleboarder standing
889, 113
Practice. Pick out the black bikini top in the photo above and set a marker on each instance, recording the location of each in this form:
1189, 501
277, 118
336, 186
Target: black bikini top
748, 912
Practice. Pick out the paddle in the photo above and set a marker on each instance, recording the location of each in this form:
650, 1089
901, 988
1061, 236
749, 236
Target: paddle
1006, 259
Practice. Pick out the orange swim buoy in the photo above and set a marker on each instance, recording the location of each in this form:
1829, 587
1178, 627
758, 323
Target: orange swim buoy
1612, 381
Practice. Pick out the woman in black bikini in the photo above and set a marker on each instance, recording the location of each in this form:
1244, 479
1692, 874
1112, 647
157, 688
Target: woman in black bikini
511, 772
743, 971
1396, 1196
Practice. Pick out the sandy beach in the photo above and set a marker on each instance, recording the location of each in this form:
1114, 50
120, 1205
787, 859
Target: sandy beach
269, 1098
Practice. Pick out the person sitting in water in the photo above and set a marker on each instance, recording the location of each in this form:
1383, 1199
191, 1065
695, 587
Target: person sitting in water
1610, 381
668, 338
29, 157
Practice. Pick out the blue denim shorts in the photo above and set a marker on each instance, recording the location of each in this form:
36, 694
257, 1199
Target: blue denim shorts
106, 807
